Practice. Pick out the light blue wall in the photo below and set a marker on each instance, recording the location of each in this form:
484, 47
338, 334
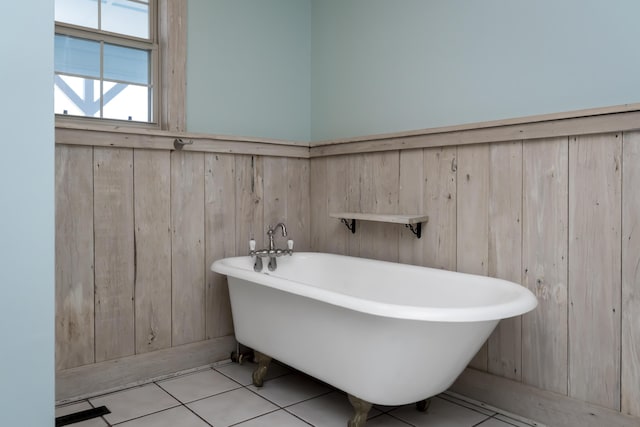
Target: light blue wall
382, 66
249, 68
27, 215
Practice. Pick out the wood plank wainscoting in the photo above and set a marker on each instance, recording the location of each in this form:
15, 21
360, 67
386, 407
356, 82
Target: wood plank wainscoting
137, 229
553, 205
551, 202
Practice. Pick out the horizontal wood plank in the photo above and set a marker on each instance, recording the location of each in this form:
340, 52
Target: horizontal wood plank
91, 380
392, 218
581, 122
525, 131
159, 140
546, 407
589, 112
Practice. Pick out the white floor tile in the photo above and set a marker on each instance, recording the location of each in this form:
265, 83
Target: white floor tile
279, 418
493, 422
441, 413
134, 402
198, 385
77, 407
179, 416
242, 373
385, 420
231, 407
329, 410
290, 389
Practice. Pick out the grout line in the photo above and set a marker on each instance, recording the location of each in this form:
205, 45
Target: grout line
248, 387
145, 415
483, 421
255, 417
398, 419
197, 415
202, 398
447, 396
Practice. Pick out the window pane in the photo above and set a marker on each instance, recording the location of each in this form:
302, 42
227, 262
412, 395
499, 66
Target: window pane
124, 63
126, 17
77, 56
77, 96
77, 12
126, 102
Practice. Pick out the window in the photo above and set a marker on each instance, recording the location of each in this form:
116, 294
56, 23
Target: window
106, 59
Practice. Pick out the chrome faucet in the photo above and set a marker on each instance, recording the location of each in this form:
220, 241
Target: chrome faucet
272, 252
270, 232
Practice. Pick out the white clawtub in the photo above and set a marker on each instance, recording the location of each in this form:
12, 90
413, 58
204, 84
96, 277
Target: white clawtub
384, 332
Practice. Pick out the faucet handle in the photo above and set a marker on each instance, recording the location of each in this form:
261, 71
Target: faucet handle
290, 244
252, 245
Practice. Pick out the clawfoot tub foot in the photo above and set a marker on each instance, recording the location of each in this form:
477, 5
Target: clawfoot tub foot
423, 405
261, 371
361, 408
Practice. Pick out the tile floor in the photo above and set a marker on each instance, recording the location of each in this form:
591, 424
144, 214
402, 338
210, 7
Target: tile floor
223, 396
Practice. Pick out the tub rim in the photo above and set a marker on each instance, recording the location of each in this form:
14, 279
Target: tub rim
524, 303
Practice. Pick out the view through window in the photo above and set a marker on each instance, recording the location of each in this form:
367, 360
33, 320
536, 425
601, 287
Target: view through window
104, 59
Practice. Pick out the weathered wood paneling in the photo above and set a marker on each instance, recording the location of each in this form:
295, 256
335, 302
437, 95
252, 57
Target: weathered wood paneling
379, 194
550, 408
544, 263
472, 234
338, 193
354, 202
579, 217
505, 250
152, 206
440, 189
319, 205
298, 207
585, 122
410, 201
594, 269
249, 203
275, 191
90, 380
114, 253
220, 239
630, 390
187, 247
74, 257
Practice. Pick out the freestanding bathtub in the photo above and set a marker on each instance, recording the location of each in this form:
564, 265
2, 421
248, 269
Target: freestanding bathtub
383, 332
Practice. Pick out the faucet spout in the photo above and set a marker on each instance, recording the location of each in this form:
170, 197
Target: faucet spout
270, 232
283, 227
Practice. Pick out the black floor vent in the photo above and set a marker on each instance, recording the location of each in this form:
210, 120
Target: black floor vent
76, 417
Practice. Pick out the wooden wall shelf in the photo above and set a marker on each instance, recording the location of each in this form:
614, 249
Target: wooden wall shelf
412, 222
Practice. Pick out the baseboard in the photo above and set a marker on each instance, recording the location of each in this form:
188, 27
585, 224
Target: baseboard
84, 381
551, 409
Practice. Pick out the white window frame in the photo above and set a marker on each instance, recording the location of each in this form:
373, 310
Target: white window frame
151, 45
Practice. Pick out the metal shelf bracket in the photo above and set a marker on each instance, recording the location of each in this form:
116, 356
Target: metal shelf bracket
417, 230
351, 224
